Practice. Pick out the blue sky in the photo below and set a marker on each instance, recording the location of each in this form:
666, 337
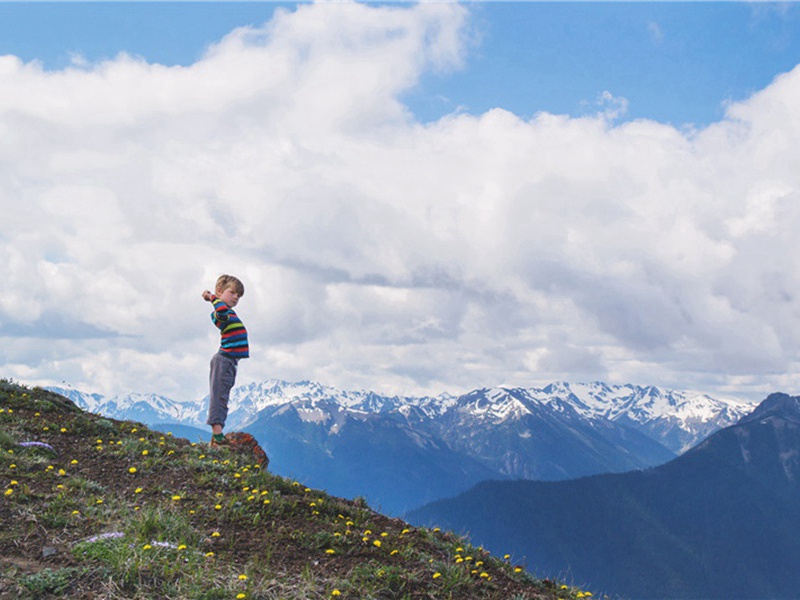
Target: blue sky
675, 62
419, 197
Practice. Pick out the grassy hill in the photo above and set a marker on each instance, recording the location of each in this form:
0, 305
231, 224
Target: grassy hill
98, 508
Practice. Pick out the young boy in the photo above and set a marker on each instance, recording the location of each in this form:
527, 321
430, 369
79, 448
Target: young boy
233, 346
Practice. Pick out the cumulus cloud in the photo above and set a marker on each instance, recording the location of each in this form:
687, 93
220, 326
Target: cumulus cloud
379, 252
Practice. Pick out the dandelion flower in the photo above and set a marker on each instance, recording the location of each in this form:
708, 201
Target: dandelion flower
145, 452
215, 534
242, 577
132, 470
209, 554
377, 543
437, 575
12, 466
484, 575
14, 482
175, 498
9, 491
241, 596
76, 512
336, 593
63, 430
182, 547
328, 551
517, 569
137, 490
60, 486
217, 507
99, 501
73, 462
146, 547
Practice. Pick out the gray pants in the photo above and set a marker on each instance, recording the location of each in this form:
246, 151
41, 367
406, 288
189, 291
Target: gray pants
223, 376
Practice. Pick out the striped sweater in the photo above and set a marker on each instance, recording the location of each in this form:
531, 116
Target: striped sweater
234, 336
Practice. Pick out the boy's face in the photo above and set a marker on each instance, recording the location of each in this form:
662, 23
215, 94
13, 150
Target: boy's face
229, 296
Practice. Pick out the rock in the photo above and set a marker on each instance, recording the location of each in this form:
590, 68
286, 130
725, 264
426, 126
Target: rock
48, 551
246, 443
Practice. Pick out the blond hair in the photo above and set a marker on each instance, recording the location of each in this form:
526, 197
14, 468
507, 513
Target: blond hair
229, 281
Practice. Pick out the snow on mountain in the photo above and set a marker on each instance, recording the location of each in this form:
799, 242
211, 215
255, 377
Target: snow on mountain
145, 408
676, 419
248, 401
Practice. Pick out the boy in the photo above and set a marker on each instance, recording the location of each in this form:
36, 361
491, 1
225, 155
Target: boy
233, 346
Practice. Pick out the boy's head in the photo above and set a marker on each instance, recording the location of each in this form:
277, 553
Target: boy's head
225, 282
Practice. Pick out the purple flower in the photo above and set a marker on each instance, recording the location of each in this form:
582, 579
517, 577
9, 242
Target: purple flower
37, 445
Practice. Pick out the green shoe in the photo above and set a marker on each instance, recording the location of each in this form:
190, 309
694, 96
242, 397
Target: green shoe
219, 439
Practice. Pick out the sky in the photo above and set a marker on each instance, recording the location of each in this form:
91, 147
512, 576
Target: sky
419, 198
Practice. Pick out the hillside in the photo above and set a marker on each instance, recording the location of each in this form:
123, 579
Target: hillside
720, 521
93, 507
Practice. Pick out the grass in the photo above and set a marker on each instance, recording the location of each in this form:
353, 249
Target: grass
94, 507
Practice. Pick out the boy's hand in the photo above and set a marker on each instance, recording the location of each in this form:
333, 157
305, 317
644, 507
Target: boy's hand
207, 296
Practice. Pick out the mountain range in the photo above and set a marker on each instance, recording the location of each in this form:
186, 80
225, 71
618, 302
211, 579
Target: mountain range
400, 452
719, 521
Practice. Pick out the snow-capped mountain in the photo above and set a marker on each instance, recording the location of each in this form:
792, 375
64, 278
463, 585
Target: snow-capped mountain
247, 401
677, 419
144, 408
399, 451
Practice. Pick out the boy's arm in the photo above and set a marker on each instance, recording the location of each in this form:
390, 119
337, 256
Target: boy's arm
221, 309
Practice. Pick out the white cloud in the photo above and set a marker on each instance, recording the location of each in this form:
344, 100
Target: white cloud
379, 252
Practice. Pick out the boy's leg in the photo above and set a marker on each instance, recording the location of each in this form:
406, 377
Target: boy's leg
221, 379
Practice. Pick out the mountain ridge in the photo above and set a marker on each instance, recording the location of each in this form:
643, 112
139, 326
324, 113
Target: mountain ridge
347, 441
717, 522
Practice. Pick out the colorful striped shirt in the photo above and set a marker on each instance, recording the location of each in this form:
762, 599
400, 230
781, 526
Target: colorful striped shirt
234, 336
